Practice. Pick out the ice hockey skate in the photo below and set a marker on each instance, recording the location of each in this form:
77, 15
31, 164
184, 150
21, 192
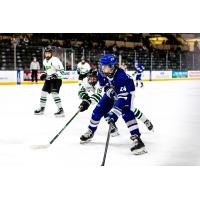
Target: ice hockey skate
60, 113
149, 125
114, 130
86, 137
39, 111
138, 147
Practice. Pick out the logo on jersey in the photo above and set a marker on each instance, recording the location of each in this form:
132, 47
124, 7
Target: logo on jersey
47, 67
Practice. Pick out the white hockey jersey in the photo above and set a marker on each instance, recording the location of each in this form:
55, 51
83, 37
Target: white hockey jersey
94, 92
53, 66
83, 68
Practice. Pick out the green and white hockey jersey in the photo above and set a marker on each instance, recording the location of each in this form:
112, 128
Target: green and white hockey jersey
54, 66
83, 68
94, 92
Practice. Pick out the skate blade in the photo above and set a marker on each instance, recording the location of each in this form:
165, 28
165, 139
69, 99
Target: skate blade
44, 146
140, 151
38, 113
84, 142
63, 115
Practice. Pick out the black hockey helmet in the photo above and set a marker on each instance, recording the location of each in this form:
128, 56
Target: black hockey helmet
49, 49
92, 77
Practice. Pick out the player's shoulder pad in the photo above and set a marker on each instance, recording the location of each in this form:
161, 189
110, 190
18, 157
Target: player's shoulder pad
121, 76
55, 59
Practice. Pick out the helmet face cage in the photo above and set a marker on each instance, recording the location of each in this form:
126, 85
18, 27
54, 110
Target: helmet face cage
48, 49
92, 78
108, 65
108, 70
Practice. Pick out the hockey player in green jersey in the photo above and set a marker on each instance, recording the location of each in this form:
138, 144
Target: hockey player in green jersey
53, 75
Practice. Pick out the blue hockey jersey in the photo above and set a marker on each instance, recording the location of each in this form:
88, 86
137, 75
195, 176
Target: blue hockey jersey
139, 69
122, 84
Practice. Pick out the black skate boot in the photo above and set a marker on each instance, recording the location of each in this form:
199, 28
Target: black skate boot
39, 111
114, 130
149, 125
142, 85
136, 85
138, 146
86, 137
60, 113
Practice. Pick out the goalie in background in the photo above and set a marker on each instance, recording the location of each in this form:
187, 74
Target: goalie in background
54, 72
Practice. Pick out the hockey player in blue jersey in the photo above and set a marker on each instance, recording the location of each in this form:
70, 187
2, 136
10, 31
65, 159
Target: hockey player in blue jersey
139, 69
117, 101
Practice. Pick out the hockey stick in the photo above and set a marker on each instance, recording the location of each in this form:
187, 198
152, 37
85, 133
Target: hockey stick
107, 143
45, 146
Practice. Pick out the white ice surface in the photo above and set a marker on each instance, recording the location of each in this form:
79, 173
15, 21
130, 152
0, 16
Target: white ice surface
173, 107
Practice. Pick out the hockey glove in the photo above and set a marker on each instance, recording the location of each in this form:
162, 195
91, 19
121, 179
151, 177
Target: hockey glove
53, 76
111, 117
43, 76
84, 105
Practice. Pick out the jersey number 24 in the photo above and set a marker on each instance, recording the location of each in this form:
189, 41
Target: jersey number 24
123, 89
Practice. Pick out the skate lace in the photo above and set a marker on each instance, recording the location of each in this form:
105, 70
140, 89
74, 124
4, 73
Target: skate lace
87, 134
135, 141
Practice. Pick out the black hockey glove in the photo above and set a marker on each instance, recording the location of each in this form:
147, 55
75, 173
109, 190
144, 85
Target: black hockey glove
84, 105
53, 76
43, 76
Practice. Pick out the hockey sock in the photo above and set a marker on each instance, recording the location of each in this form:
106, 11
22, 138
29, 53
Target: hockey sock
139, 115
93, 125
43, 99
56, 99
131, 123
